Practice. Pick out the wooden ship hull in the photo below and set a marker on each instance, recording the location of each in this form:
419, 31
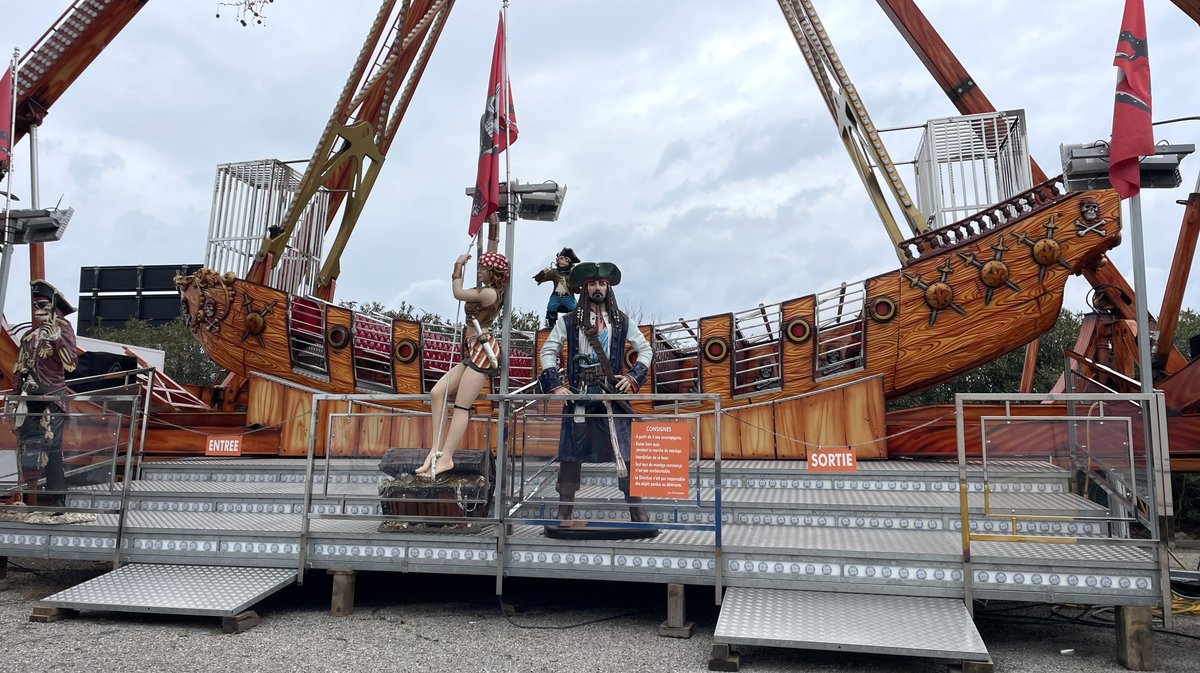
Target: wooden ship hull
970, 292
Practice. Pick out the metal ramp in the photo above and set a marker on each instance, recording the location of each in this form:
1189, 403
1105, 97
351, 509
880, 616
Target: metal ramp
914, 626
211, 591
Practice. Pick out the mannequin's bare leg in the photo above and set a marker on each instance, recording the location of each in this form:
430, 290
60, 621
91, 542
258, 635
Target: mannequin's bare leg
470, 384
446, 387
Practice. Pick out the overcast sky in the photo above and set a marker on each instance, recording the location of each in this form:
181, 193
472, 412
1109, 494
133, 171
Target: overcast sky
697, 152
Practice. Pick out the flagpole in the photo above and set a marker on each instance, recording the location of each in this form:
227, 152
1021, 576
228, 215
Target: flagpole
1145, 367
510, 228
6, 254
506, 321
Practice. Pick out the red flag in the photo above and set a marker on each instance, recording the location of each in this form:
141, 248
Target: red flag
1132, 135
6, 121
496, 131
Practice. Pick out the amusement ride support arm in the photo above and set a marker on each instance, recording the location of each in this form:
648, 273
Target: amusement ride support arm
61, 55
855, 127
52, 64
1189, 7
1177, 278
968, 98
351, 150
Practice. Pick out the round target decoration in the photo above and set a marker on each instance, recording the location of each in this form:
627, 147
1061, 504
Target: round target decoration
339, 337
630, 358
406, 351
882, 308
798, 330
716, 349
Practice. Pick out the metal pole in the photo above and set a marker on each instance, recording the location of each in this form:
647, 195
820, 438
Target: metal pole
37, 256
6, 255
1145, 369
964, 507
302, 556
506, 329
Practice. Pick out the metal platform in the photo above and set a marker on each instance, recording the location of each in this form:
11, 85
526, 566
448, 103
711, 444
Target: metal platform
215, 591
915, 626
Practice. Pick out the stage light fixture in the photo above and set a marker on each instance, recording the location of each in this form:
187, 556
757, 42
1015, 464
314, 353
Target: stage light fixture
1085, 166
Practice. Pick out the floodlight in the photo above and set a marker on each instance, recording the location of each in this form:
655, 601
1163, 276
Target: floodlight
534, 201
1085, 166
38, 225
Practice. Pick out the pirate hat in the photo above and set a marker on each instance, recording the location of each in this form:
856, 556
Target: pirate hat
569, 254
586, 271
40, 288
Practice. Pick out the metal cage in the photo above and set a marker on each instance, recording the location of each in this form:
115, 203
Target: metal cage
250, 199
965, 164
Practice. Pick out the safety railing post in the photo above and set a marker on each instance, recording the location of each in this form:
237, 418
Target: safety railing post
964, 511
717, 550
501, 496
125, 481
302, 556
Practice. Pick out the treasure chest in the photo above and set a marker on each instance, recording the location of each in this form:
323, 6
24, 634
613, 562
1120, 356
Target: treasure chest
462, 491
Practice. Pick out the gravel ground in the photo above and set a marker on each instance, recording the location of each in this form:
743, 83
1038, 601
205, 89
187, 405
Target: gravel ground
433, 623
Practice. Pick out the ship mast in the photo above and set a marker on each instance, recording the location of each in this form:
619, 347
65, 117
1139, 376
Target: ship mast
351, 150
858, 132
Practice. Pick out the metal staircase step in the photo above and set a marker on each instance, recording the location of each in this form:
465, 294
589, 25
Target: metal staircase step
216, 591
916, 626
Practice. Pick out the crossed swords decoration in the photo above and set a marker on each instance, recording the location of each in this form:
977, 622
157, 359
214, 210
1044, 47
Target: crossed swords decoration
994, 273
938, 294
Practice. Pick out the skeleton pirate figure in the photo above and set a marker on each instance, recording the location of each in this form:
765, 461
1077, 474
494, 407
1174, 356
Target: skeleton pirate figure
595, 334
562, 298
47, 353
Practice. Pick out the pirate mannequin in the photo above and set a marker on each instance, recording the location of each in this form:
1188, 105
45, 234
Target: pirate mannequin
589, 429
480, 359
562, 298
47, 353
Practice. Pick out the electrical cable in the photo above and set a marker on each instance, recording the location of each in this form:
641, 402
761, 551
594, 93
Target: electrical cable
562, 627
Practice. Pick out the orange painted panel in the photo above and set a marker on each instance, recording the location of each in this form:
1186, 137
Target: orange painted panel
265, 404
708, 448
824, 420
789, 424
865, 419
341, 367
293, 432
410, 431
406, 376
756, 432
717, 377
797, 358
883, 338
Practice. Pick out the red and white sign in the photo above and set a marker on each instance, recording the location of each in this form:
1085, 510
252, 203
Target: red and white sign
658, 453
832, 459
224, 445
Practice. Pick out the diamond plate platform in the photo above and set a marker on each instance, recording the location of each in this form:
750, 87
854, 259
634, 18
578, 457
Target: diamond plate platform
938, 628
217, 591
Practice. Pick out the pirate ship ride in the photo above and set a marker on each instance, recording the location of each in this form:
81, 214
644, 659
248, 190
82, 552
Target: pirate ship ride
985, 279
972, 291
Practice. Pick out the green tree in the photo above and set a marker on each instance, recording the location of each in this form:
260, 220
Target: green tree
1189, 326
405, 311
525, 321
186, 361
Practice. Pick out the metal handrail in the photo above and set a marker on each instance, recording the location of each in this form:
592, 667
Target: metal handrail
1154, 449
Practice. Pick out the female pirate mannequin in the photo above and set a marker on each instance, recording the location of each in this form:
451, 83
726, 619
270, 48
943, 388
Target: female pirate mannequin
466, 379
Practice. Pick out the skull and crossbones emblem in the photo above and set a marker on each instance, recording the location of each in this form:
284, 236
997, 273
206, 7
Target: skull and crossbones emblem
1089, 220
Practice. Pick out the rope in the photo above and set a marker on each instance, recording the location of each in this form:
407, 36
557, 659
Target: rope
848, 446
280, 424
